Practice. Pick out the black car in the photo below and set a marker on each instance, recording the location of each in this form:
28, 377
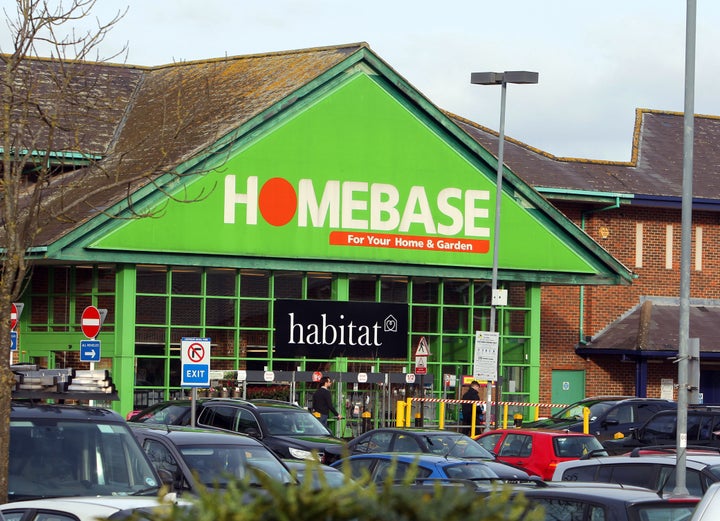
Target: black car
430, 441
609, 415
703, 430
290, 431
74, 450
191, 456
591, 501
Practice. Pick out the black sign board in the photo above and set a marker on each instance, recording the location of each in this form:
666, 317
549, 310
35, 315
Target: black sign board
326, 329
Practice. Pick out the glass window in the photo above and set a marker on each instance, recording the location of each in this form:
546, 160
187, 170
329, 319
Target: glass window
516, 445
393, 289
254, 283
362, 288
319, 286
185, 311
404, 443
151, 279
186, 281
220, 282
456, 291
425, 291
375, 442
289, 285
220, 417
220, 312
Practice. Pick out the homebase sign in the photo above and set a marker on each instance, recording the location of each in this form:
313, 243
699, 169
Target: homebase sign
326, 329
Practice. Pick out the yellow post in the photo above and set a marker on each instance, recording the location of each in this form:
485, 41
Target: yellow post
408, 412
472, 421
441, 414
505, 416
536, 415
400, 414
586, 420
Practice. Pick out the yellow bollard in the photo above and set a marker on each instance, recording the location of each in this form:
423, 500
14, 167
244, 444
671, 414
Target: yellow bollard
517, 420
400, 414
441, 415
586, 420
505, 416
408, 412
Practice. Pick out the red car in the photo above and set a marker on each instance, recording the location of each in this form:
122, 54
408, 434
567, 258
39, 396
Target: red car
538, 451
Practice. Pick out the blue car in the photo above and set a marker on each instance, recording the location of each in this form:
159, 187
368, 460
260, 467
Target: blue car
428, 467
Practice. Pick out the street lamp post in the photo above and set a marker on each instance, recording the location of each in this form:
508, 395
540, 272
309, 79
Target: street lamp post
496, 297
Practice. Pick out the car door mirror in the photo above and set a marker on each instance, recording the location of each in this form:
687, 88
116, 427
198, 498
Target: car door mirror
251, 431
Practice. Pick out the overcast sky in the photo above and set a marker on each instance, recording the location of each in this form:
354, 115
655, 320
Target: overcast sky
598, 60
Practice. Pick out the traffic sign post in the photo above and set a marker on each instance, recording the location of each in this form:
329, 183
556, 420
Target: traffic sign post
195, 353
421, 355
90, 350
91, 321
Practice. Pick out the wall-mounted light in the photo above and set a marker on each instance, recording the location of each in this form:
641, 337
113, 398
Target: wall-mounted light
604, 232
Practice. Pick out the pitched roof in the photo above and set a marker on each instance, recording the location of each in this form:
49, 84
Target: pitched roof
653, 173
653, 327
149, 120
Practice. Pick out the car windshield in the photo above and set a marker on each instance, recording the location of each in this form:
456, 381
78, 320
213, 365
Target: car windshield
163, 414
56, 458
216, 466
459, 446
293, 422
470, 470
575, 411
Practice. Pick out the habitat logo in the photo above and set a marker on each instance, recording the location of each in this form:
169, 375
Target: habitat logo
330, 328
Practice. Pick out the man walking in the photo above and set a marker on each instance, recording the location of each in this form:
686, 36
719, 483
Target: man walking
322, 401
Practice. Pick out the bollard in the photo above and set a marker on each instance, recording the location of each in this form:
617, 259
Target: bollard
366, 421
418, 420
517, 420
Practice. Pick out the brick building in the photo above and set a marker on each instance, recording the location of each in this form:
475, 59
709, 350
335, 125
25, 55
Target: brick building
622, 339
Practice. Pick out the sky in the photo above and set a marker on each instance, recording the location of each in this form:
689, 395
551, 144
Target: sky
598, 60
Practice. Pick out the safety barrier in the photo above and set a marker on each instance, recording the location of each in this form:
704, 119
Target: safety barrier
404, 411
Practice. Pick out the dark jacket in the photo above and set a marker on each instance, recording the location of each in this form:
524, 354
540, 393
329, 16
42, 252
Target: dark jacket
322, 402
473, 395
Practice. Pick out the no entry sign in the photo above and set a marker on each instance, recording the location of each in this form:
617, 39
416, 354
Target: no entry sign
195, 355
13, 316
90, 322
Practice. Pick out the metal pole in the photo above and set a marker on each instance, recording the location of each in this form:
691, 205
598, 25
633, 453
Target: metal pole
495, 259
686, 226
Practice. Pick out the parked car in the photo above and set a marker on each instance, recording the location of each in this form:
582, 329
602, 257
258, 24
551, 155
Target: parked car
703, 430
609, 415
290, 431
74, 450
432, 441
606, 501
653, 471
387, 465
538, 451
194, 457
709, 507
320, 475
111, 508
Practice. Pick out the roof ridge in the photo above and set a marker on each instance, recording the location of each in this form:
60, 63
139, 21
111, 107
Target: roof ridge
307, 50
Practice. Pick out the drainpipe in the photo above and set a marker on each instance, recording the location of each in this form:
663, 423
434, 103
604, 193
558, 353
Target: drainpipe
581, 325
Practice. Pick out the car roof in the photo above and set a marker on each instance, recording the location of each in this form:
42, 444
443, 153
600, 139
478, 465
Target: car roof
92, 504
29, 410
421, 457
416, 430
239, 402
555, 433
191, 436
694, 460
604, 492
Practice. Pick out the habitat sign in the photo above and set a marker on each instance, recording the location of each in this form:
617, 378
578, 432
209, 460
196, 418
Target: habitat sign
327, 329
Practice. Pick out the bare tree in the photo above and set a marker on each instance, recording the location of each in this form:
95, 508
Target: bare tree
54, 169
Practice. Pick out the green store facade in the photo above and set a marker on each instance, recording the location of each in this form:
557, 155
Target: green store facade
350, 196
